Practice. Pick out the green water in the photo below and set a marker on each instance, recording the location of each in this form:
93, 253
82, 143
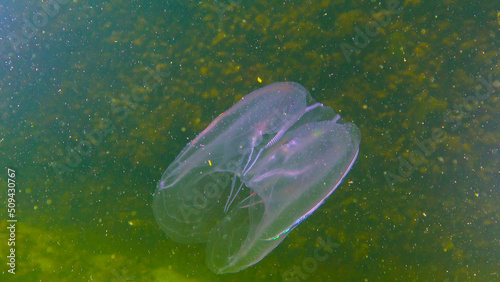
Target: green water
98, 100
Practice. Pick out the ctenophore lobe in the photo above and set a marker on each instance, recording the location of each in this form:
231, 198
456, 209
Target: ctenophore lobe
254, 174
